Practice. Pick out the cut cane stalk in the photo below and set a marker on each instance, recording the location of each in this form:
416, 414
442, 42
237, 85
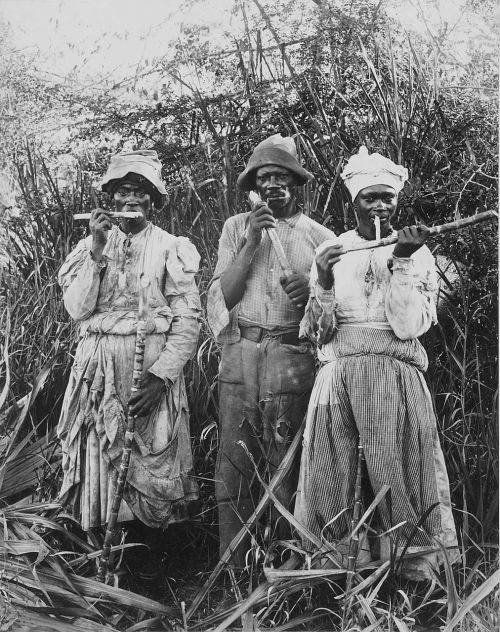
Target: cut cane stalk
140, 343
275, 240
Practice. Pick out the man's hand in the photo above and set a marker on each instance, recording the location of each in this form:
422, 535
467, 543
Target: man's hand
297, 288
260, 217
99, 224
410, 239
147, 397
325, 261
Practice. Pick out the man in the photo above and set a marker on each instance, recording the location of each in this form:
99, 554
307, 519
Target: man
367, 309
266, 372
100, 282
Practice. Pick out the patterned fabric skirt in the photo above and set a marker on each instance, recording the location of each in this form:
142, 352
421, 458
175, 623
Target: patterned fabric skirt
377, 399
92, 427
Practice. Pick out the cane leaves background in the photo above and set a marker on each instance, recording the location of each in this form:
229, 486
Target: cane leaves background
345, 76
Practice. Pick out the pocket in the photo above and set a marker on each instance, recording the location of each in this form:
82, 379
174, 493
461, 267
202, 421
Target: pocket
231, 363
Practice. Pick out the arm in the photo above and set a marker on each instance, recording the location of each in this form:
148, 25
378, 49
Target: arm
410, 302
181, 340
319, 319
79, 276
233, 279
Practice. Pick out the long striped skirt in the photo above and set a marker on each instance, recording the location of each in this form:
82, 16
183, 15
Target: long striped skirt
373, 394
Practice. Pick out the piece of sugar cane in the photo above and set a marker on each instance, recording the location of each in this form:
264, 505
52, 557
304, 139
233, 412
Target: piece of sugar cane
376, 220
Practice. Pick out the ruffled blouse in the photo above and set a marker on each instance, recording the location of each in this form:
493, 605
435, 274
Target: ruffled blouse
366, 293
103, 297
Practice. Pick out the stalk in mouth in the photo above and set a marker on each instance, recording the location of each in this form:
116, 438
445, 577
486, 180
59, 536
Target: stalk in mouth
376, 221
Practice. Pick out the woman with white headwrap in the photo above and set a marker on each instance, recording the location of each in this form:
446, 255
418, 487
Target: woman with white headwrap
366, 311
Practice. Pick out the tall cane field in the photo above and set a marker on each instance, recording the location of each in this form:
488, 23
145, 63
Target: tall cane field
386, 97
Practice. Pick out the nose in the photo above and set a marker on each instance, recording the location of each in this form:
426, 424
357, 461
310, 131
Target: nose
273, 181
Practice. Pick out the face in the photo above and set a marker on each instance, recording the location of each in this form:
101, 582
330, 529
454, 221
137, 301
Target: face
132, 197
379, 199
276, 186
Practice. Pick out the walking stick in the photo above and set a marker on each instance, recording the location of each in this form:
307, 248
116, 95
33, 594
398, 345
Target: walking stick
140, 343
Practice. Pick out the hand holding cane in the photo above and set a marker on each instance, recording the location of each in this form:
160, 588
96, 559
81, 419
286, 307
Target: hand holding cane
433, 230
275, 240
140, 343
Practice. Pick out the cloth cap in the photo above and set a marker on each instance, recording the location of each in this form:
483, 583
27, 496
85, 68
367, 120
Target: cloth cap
143, 162
365, 170
275, 150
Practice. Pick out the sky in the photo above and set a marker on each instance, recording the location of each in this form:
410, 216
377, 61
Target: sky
117, 34
107, 35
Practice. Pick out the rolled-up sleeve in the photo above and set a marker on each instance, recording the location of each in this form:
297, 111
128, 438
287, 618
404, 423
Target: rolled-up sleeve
319, 320
183, 299
79, 278
410, 302
220, 319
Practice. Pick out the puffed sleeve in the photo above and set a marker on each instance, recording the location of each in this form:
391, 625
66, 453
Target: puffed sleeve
319, 320
182, 296
79, 278
220, 319
410, 302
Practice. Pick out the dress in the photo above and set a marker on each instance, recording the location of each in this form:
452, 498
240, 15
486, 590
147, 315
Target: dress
103, 298
266, 372
371, 390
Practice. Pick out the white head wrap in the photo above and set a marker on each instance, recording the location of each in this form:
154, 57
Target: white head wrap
364, 170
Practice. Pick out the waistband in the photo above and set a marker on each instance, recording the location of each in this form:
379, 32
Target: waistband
256, 334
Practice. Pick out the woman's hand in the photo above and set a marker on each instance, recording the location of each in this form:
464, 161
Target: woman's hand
325, 261
410, 239
100, 223
146, 399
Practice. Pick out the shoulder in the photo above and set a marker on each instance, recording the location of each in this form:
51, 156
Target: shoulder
236, 222
317, 231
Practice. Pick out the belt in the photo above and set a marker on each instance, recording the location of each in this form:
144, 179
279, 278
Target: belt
256, 334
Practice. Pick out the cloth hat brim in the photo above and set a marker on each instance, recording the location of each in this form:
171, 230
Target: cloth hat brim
271, 156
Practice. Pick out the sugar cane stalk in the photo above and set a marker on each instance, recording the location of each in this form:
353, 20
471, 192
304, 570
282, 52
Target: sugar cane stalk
356, 515
433, 230
355, 537
254, 197
140, 343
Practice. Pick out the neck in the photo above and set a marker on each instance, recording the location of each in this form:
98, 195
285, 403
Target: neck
133, 226
285, 211
369, 233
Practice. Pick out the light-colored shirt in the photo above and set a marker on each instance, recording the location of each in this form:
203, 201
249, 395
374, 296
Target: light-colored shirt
264, 303
366, 294
103, 297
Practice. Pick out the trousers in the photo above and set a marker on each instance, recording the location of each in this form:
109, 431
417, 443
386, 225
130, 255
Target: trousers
264, 389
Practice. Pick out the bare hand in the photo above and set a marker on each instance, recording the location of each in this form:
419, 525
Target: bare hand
260, 217
325, 261
100, 223
297, 288
410, 239
146, 399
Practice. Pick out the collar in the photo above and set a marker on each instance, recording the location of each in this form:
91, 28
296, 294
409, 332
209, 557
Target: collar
292, 220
